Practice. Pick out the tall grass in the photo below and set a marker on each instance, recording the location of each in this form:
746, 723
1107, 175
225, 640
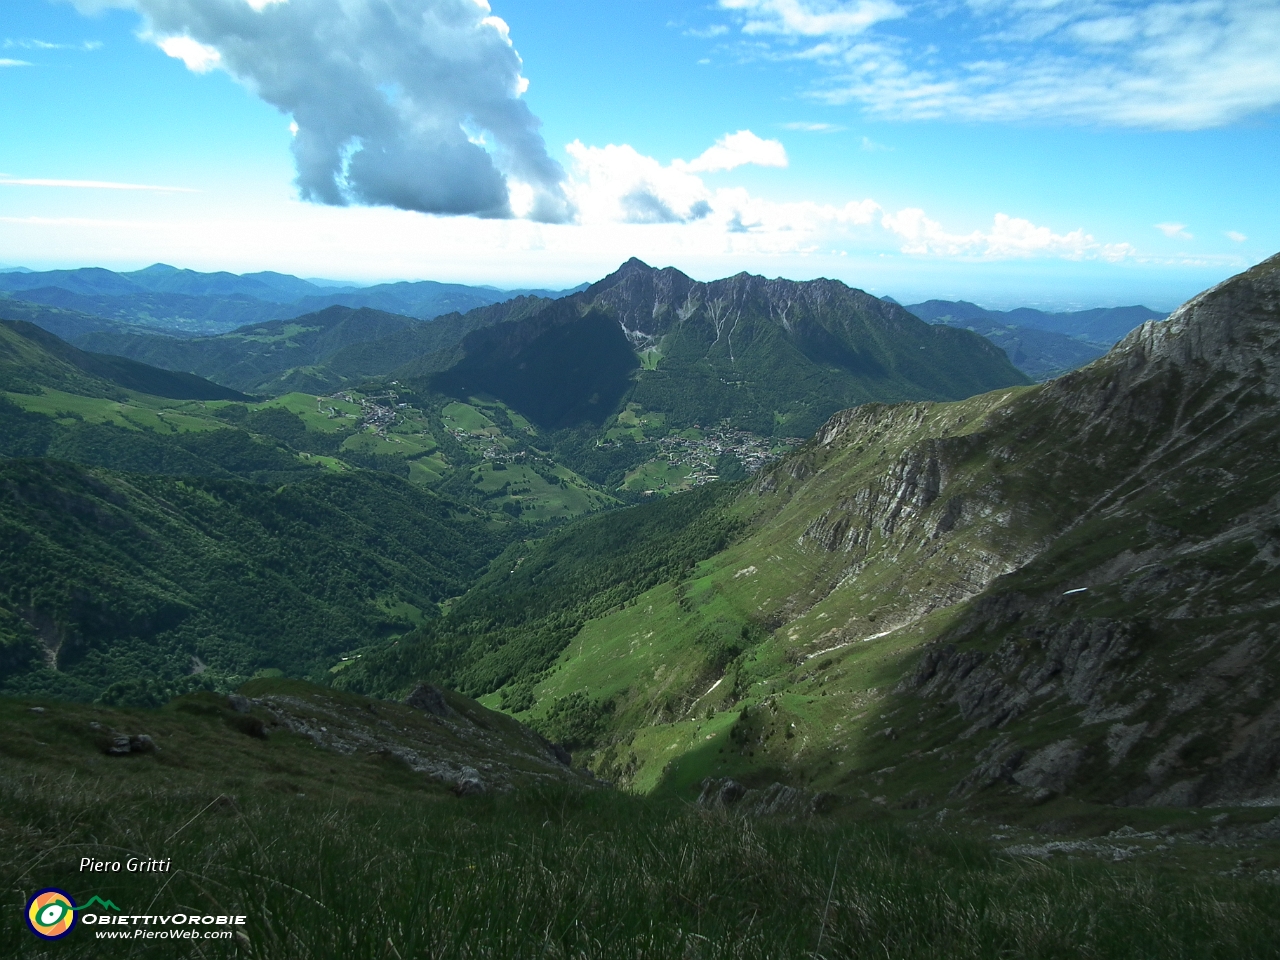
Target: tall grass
588, 876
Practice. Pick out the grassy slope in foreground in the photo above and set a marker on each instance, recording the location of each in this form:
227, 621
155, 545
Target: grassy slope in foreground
354, 856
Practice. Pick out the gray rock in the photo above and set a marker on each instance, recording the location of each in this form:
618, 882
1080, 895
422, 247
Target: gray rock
470, 784
1051, 768
430, 699
775, 800
720, 793
121, 745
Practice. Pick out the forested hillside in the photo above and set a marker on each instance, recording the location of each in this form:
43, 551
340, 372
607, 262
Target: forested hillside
134, 587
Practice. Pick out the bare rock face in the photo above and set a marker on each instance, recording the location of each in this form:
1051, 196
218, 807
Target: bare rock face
469, 784
647, 302
1150, 614
1051, 768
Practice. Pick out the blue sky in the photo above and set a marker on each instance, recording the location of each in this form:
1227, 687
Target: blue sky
1049, 152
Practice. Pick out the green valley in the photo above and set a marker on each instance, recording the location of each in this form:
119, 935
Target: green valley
985, 659
1041, 598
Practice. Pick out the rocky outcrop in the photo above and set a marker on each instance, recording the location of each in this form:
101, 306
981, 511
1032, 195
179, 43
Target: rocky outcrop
775, 800
461, 745
647, 303
903, 493
431, 700
1074, 661
1155, 454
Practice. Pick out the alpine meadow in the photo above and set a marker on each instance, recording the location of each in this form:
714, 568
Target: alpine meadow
513, 480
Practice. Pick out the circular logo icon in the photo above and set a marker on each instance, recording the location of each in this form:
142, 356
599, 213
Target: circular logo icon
51, 914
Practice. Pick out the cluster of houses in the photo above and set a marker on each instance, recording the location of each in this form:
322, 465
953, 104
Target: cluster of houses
752, 451
372, 412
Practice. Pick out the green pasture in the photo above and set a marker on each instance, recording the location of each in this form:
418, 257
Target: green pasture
539, 500
314, 411
139, 412
659, 476
468, 419
635, 423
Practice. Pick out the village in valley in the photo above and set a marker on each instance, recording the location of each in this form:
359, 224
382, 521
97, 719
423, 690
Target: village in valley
680, 460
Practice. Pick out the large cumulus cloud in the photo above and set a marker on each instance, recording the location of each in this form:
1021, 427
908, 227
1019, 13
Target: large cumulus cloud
403, 103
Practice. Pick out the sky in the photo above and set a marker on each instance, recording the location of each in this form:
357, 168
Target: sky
1053, 153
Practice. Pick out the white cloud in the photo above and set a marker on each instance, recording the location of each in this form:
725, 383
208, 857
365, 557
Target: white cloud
795, 18
1237, 236
870, 146
7, 181
1174, 231
618, 188
707, 33
738, 149
812, 127
1178, 64
86, 46
199, 57
14, 63
404, 103
618, 184
1008, 238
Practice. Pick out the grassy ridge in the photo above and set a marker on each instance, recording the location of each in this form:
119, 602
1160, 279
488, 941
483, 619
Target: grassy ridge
125, 373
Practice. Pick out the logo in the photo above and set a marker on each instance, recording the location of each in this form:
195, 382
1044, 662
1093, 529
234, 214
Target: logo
51, 914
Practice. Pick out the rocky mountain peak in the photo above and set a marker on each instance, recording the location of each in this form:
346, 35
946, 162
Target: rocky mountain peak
1220, 346
647, 302
1234, 326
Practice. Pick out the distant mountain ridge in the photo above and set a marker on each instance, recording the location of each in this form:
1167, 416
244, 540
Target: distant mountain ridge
190, 302
1040, 354
1102, 326
253, 355
316, 352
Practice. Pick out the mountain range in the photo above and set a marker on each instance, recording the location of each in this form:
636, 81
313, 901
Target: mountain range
1059, 595
607, 374
188, 302
1041, 345
769, 356
1038, 594
316, 352
1101, 326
